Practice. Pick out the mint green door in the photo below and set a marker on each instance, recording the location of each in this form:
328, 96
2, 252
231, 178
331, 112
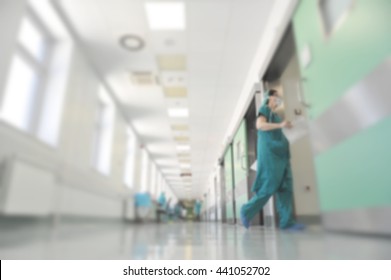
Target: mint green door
352, 169
240, 161
229, 179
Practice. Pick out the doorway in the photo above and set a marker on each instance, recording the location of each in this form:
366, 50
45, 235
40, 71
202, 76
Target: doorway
283, 74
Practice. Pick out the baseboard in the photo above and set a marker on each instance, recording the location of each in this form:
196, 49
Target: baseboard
15, 220
309, 219
375, 221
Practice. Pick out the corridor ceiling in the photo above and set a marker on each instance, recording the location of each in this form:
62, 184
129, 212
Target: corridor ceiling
201, 67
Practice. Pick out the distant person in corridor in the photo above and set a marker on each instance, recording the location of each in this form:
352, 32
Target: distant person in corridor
197, 209
274, 175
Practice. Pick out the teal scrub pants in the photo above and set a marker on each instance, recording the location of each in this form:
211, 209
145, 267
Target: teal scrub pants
283, 191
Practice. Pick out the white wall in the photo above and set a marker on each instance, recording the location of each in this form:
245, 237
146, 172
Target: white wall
137, 167
219, 192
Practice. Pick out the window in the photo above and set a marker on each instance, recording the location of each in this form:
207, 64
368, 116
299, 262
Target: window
333, 12
153, 179
103, 133
33, 39
144, 170
19, 97
26, 80
158, 182
130, 157
33, 97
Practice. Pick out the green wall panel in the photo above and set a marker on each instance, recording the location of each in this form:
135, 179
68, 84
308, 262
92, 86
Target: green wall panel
240, 153
239, 202
240, 166
356, 173
228, 173
352, 174
361, 43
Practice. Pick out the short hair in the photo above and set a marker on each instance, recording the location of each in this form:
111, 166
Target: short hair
271, 92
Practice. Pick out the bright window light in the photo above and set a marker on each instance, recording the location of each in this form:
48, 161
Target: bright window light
166, 15
19, 94
144, 171
159, 183
183, 148
130, 159
32, 39
104, 133
153, 179
178, 112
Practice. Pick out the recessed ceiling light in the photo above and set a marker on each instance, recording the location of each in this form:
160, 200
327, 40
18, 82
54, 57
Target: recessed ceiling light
183, 148
166, 15
178, 112
131, 42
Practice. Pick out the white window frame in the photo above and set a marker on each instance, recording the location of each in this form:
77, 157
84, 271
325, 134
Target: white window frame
40, 69
130, 159
153, 178
103, 133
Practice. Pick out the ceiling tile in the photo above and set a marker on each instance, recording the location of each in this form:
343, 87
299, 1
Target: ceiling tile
171, 62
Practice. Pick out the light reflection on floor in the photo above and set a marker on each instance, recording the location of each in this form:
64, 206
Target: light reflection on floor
182, 241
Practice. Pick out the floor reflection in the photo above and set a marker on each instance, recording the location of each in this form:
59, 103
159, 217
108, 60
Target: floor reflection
117, 240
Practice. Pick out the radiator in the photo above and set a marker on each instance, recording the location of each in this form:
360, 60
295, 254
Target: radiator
26, 189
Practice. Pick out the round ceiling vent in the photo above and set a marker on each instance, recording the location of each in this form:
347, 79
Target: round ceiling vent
132, 42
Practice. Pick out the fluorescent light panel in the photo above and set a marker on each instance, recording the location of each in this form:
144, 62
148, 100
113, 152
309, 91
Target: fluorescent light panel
178, 112
166, 15
183, 148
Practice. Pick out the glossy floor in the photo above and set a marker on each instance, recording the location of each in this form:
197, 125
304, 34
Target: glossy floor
181, 241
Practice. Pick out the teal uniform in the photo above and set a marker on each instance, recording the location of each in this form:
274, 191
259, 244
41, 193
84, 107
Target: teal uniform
197, 208
274, 174
162, 200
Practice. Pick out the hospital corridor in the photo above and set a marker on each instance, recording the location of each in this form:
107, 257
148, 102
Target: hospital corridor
195, 130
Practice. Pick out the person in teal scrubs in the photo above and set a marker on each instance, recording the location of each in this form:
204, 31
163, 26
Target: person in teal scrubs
162, 200
274, 174
197, 209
